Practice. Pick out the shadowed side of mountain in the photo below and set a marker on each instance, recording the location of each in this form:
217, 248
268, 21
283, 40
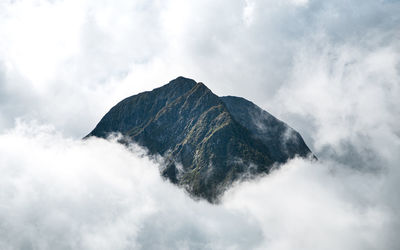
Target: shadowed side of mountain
282, 141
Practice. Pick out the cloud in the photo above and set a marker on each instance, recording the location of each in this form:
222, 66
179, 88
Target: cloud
96, 194
328, 69
63, 193
68, 55
347, 101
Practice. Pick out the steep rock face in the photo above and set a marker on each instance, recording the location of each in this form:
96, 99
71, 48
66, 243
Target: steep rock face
282, 141
208, 142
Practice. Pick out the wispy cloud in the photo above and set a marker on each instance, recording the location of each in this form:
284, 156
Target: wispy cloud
329, 69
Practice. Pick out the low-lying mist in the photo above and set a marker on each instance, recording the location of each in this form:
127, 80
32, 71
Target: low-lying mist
62, 193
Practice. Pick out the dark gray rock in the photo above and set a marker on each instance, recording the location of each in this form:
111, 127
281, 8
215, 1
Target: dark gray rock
208, 141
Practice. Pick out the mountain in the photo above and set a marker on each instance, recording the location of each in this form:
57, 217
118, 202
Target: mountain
208, 142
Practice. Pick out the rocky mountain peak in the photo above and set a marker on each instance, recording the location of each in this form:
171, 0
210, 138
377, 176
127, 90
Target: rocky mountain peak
208, 142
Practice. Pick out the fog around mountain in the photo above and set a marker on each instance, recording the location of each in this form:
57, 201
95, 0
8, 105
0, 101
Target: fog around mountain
65, 193
330, 69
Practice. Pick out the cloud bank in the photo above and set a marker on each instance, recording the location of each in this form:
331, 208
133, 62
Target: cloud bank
330, 69
63, 193
59, 193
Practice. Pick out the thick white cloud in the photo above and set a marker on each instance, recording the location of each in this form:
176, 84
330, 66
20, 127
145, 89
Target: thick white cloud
64, 193
59, 58
59, 193
328, 68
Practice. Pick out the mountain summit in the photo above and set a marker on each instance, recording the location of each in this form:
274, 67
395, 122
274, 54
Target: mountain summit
208, 141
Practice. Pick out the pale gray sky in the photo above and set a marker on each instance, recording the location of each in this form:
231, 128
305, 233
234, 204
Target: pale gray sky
330, 69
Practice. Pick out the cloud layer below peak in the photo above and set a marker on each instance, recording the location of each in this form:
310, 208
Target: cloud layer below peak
64, 193
329, 69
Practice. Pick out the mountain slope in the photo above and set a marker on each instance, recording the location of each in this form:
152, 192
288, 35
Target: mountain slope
208, 142
283, 142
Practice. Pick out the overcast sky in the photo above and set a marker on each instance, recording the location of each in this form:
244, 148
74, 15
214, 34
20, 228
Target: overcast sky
330, 69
